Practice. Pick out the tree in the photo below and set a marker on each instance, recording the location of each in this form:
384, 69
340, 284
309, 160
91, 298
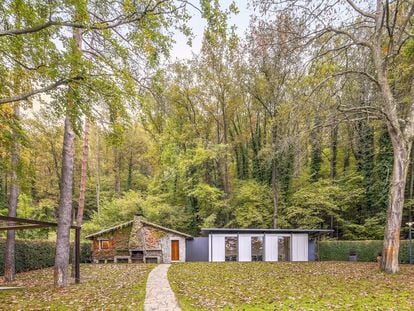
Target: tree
381, 30
9, 260
272, 56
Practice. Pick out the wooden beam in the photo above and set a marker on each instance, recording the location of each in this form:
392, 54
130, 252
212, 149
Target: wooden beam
77, 255
19, 227
31, 221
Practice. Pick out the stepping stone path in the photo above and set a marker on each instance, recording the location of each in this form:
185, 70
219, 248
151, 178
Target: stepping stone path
159, 295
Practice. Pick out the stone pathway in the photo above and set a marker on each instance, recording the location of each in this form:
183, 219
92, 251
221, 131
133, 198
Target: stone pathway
159, 296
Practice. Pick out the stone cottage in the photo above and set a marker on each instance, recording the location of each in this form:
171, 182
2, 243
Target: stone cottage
139, 240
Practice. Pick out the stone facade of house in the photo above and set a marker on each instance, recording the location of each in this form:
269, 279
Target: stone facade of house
139, 241
117, 244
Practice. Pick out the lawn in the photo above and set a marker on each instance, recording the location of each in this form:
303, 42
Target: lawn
103, 287
291, 286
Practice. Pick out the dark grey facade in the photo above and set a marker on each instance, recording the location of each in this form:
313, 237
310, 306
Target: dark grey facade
311, 250
197, 249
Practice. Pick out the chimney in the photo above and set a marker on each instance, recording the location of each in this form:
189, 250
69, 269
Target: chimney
136, 237
139, 216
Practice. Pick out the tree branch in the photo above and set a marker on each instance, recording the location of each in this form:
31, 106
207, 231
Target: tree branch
102, 25
342, 73
350, 36
359, 10
24, 96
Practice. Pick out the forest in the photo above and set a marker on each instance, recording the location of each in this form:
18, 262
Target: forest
306, 121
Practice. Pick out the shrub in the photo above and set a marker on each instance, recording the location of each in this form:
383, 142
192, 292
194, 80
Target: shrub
37, 254
367, 250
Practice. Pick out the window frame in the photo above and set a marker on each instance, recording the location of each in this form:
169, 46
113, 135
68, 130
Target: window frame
103, 242
259, 257
289, 257
231, 257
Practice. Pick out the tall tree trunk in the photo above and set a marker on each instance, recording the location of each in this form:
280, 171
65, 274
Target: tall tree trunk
82, 188
66, 186
84, 171
390, 252
410, 190
98, 174
65, 206
117, 170
9, 256
275, 187
334, 151
225, 140
130, 170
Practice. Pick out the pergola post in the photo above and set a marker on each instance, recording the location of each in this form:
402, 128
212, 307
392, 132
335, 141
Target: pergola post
77, 255
25, 224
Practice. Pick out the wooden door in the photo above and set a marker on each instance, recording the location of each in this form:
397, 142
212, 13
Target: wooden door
175, 250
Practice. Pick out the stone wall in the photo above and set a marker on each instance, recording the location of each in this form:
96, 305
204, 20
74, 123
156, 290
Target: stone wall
166, 247
139, 236
118, 246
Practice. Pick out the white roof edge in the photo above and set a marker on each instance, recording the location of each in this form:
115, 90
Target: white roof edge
265, 230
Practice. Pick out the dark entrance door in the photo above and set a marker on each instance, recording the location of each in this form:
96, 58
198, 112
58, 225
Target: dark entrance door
175, 250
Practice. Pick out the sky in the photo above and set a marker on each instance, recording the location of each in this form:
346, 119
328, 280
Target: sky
181, 50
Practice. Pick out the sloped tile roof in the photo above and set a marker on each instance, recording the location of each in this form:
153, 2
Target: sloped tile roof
128, 223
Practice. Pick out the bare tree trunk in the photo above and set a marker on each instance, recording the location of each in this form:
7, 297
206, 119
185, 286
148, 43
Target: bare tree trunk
390, 252
410, 191
66, 188
82, 190
334, 151
84, 170
117, 170
275, 188
226, 184
98, 174
9, 256
401, 149
130, 170
65, 206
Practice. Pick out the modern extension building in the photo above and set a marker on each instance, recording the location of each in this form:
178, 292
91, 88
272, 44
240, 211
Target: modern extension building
139, 240
225, 244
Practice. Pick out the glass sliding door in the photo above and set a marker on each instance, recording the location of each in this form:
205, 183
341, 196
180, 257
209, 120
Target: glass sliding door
231, 249
283, 248
257, 248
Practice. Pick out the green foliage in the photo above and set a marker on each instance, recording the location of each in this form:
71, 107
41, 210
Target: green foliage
210, 202
37, 254
316, 153
315, 204
252, 205
190, 143
382, 171
156, 209
117, 210
366, 250
365, 158
122, 209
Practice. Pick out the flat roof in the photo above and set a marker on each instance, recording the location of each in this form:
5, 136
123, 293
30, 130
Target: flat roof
206, 231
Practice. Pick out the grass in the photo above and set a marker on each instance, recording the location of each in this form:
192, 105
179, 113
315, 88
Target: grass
103, 287
291, 286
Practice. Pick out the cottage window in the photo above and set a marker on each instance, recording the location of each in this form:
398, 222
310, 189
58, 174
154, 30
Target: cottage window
231, 248
257, 248
104, 244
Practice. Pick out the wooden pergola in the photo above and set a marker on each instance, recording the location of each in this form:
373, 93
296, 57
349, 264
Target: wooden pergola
14, 223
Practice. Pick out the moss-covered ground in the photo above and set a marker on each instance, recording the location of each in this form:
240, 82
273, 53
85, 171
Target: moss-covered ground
291, 286
103, 287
